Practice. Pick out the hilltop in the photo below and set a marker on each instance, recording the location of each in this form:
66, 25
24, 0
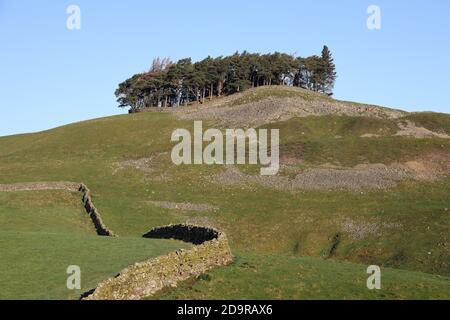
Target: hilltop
267, 104
359, 185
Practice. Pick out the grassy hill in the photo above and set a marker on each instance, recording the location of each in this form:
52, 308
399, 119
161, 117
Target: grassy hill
392, 211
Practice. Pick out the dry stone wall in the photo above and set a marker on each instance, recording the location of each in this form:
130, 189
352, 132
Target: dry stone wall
187, 233
146, 278
100, 227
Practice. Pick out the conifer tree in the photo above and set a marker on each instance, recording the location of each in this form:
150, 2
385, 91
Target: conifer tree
329, 71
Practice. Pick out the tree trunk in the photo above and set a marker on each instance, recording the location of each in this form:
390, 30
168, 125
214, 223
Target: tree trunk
219, 87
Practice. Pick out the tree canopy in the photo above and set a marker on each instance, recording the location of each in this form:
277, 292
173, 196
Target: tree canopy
169, 84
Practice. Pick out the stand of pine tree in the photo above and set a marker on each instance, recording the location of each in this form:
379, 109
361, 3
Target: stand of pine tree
169, 84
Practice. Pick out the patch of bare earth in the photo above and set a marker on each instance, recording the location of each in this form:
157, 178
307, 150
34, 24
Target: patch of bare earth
370, 135
151, 166
34, 186
361, 229
409, 129
143, 164
430, 167
184, 206
204, 222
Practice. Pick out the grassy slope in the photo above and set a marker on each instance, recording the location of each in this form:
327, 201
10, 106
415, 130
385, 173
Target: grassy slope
259, 94
303, 223
43, 232
438, 122
268, 276
44, 211
337, 139
33, 265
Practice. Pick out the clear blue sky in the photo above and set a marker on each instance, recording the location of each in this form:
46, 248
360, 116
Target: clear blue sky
50, 75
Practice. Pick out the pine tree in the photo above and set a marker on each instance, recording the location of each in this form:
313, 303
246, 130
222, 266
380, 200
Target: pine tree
329, 71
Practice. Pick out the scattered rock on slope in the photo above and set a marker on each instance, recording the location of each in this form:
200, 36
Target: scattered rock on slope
378, 176
229, 113
184, 206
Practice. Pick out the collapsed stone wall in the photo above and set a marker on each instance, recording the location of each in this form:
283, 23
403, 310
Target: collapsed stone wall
146, 278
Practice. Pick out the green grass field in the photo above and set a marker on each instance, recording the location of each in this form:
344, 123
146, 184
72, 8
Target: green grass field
34, 264
268, 276
44, 211
52, 232
260, 222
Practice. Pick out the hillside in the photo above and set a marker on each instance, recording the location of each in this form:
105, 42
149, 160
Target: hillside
43, 232
358, 185
258, 106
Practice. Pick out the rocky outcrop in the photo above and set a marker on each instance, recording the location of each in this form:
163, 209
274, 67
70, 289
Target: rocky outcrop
146, 278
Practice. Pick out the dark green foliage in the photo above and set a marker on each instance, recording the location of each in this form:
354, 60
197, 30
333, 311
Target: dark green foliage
329, 71
169, 84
